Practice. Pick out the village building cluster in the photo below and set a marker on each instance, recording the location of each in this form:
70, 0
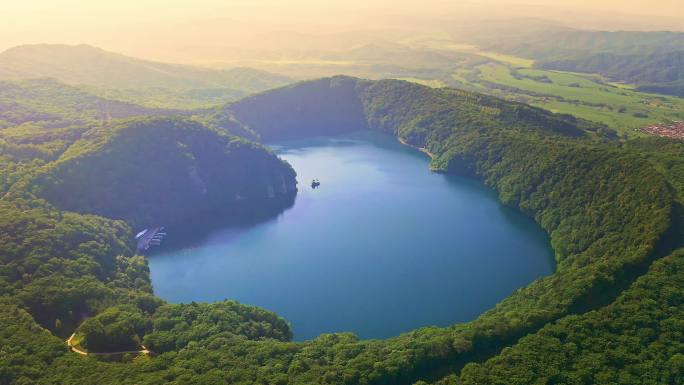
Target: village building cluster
673, 131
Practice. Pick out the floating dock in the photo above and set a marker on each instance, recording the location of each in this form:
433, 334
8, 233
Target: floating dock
149, 237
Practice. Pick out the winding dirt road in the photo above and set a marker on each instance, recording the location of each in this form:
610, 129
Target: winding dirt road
74, 349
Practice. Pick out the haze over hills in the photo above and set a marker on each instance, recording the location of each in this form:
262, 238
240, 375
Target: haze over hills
651, 60
542, 39
549, 106
216, 30
83, 64
48, 102
116, 76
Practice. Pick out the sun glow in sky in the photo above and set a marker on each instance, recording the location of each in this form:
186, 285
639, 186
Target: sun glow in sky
165, 28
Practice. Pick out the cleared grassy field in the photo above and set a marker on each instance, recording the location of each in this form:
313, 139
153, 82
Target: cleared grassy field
514, 61
434, 83
448, 45
589, 96
586, 96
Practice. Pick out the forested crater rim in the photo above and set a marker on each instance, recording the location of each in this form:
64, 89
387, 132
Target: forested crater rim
360, 173
605, 205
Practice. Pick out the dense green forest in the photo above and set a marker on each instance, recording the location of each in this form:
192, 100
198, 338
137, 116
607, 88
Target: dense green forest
401, 108
638, 339
610, 208
53, 104
40, 118
158, 171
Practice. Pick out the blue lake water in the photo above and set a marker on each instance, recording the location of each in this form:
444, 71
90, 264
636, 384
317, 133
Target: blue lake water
382, 247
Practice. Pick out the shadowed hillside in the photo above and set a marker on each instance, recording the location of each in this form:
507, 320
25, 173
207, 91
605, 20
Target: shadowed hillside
40, 118
342, 104
159, 171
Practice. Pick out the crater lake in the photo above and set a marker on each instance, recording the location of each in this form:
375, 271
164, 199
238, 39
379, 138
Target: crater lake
382, 247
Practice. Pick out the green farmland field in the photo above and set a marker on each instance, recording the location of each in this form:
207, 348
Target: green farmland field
583, 95
588, 96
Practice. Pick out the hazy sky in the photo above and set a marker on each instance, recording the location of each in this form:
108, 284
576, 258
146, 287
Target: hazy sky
165, 29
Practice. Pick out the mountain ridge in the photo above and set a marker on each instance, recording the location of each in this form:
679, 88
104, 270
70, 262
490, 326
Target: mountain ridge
92, 66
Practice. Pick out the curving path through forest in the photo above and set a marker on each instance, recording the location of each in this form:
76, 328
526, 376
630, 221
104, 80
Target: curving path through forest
74, 349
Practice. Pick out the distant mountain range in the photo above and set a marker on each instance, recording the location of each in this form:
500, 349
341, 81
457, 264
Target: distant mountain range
144, 81
545, 40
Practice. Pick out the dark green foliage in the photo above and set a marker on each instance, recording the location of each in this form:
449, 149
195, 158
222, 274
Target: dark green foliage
40, 118
175, 326
427, 117
319, 107
222, 119
55, 263
114, 329
639, 339
605, 205
11, 171
667, 155
342, 104
604, 208
27, 350
54, 104
159, 171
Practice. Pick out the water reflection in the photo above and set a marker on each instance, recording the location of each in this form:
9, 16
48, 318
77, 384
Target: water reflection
382, 247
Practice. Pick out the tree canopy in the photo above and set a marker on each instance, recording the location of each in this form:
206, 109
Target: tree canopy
610, 208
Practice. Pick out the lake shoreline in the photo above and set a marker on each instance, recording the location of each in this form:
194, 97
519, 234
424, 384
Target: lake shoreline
409, 234
421, 149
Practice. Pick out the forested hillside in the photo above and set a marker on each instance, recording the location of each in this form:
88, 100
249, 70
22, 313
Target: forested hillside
637, 339
40, 118
339, 104
120, 77
610, 209
63, 272
54, 104
599, 245
158, 171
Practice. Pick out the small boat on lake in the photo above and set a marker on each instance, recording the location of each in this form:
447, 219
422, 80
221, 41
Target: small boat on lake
315, 184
